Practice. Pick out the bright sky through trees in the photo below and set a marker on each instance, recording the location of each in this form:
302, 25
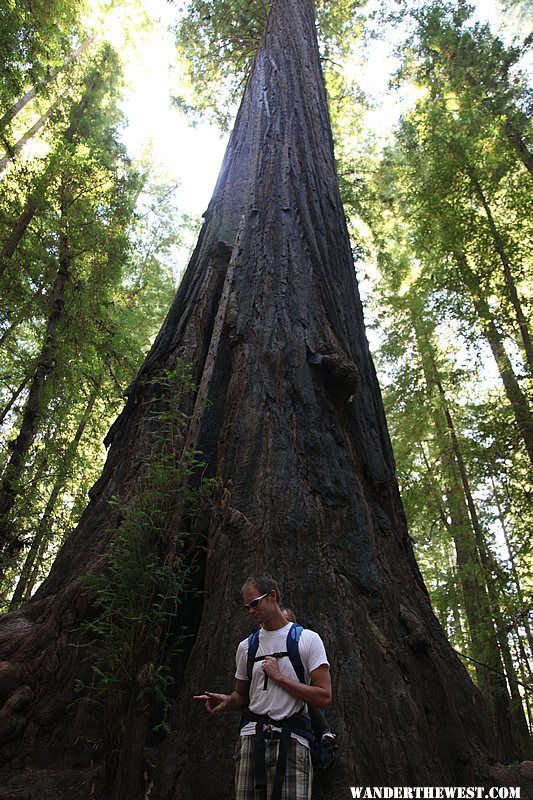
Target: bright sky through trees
194, 154
191, 154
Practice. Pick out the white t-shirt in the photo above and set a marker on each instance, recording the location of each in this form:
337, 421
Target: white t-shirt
274, 700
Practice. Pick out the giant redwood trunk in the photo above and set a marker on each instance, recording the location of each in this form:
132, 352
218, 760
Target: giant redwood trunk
269, 316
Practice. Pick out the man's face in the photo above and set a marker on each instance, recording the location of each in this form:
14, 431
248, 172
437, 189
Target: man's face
264, 609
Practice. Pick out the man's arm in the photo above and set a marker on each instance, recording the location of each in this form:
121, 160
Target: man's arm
215, 703
317, 694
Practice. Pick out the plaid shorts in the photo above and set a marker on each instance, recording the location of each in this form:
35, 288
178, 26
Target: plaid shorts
298, 771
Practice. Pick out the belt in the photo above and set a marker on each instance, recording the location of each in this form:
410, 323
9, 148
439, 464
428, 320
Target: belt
259, 757
268, 733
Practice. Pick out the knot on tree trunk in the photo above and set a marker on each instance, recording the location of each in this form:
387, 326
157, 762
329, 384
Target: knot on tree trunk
340, 375
417, 637
219, 254
15, 627
12, 675
234, 520
380, 639
12, 720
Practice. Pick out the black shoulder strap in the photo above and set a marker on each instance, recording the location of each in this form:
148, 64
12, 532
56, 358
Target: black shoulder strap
253, 644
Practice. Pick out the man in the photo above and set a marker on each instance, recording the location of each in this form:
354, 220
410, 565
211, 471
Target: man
274, 701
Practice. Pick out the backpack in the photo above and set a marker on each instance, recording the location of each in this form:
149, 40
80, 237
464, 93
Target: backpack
321, 758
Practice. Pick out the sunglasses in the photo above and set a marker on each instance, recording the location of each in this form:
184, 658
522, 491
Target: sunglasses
254, 603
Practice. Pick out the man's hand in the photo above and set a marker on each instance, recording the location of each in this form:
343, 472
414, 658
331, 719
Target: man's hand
317, 693
271, 668
214, 703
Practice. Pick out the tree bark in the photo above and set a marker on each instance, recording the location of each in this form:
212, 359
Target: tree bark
294, 426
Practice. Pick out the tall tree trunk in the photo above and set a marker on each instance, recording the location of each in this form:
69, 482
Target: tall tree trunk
480, 599
43, 532
19, 447
525, 677
294, 426
513, 391
513, 730
12, 112
19, 229
458, 613
483, 644
512, 292
514, 569
439, 501
519, 144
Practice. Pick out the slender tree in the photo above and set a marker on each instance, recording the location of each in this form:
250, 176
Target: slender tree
36, 40
44, 531
44, 364
22, 102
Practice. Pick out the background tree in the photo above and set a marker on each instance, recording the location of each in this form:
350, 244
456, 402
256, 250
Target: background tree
83, 249
437, 232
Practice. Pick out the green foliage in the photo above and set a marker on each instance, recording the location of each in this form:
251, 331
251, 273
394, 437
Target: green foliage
216, 43
217, 40
138, 592
36, 37
448, 215
120, 282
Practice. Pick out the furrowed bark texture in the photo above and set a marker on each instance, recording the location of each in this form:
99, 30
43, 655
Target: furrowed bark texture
294, 429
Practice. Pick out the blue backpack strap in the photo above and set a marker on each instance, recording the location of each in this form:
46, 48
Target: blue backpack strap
293, 637
253, 644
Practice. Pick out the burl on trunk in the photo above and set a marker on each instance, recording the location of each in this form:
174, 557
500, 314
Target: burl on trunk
269, 316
